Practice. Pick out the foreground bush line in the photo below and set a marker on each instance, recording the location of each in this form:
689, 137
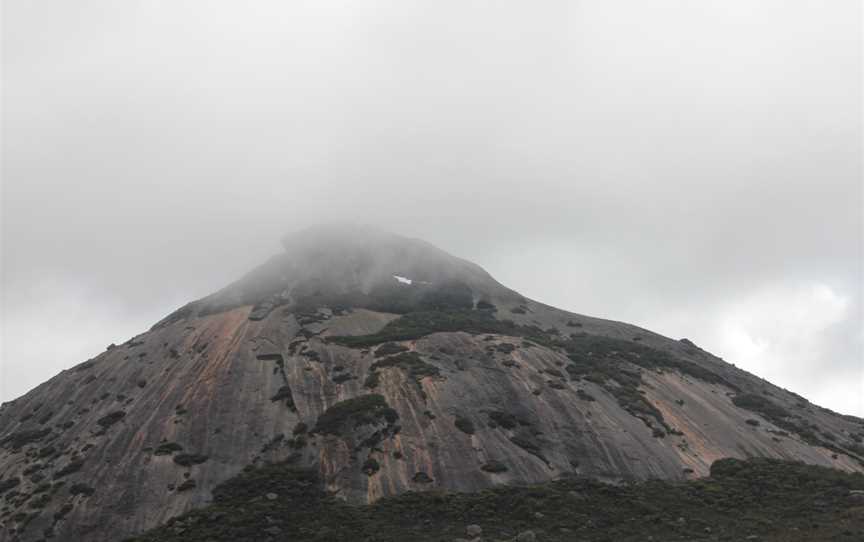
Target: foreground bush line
757, 499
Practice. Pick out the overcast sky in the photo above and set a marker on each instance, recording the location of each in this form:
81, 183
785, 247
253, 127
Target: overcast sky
691, 167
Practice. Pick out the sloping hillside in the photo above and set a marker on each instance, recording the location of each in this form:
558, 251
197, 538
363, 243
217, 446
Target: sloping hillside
385, 365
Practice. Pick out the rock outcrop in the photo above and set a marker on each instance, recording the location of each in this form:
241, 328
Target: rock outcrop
389, 366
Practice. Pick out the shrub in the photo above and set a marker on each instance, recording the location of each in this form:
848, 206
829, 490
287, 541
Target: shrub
419, 324
422, 478
187, 485
342, 377
504, 419
410, 362
465, 425
484, 305
372, 380
494, 466
187, 460
285, 393
9, 483
370, 466
81, 489
298, 442
18, 439
388, 349
529, 444
46, 451
70, 468
355, 412
585, 396
111, 419
167, 448
758, 403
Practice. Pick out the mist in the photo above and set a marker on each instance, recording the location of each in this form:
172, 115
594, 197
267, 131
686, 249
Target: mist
691, 167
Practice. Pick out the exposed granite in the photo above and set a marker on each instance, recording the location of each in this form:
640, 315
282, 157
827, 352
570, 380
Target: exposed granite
227, 390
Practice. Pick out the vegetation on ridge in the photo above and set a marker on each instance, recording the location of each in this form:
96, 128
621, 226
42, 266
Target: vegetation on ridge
605, 361
759, 499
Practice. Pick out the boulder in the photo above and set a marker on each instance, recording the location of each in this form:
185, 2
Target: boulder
474, 531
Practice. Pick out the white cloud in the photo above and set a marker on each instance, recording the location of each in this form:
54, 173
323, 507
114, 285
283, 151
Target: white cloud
781, 327
789, 334
634, 164
804, 336
57, 324
800, 333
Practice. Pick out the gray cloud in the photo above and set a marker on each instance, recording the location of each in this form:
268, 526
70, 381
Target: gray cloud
691, 167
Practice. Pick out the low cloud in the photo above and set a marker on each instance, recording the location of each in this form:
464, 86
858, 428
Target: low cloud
694, 168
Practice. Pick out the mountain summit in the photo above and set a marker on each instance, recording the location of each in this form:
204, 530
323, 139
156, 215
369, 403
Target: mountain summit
349, 266
387, 365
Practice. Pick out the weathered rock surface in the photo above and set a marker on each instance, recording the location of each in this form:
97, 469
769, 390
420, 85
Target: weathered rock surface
462, 401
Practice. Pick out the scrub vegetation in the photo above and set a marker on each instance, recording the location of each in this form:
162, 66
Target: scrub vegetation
758, 499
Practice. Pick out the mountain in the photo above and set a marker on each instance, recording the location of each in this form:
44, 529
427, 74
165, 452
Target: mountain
382, 365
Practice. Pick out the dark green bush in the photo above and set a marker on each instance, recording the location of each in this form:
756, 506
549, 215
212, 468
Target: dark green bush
343, 377
465, 425
768, 499
504, 419
73, 466
284, 393
494, 466
585, 396
18, 439
419, 324
422, 478
484, 305
167, 448
410, 362
370, 466
187, 460
372, 380
111, 419
352, 413
9, 483
187, 485
81, 489
758, 403
388, 349
529, 444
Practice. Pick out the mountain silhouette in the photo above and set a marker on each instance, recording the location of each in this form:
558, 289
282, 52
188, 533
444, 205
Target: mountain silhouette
384, 365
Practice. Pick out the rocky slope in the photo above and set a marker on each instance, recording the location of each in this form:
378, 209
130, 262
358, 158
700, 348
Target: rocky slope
387, 366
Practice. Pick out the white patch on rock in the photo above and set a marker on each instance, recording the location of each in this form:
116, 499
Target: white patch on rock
403, 280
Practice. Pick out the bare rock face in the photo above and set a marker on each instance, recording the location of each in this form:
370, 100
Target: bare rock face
391, 366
